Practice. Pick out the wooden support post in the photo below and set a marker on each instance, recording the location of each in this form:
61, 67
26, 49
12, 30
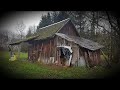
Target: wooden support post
64, 41
93, 58
19, 47
105, 58
56, 55
87, 58
55, 52
37, 51
50, 51
78, 55
41, 56
59, 57
104, 54
44, 55
28, 53
50, 46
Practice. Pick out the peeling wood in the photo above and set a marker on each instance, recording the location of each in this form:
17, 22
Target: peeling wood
45, 49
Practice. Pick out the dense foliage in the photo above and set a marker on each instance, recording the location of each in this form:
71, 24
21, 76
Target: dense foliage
100, 26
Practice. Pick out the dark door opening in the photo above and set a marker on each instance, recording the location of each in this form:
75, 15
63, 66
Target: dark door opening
62, 57
65, 55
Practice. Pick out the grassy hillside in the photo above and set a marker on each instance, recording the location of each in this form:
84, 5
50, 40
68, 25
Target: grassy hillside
23, 69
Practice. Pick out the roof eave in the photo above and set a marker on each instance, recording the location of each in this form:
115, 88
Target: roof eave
72, 40
57, 30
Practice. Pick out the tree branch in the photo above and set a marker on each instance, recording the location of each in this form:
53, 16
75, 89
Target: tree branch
115, 28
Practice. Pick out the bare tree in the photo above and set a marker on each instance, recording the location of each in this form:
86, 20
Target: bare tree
4, 39
20, 27
114, 21
32, 29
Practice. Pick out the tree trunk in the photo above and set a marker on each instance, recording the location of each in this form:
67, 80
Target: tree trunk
114, 46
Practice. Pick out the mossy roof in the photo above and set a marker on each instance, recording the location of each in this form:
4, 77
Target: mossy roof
50, 30
45, 32
23, 40
85, 43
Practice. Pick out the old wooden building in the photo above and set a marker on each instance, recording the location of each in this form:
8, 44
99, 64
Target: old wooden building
60, 44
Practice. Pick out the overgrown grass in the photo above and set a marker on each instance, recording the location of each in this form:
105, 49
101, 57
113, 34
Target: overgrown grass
27, 70
23, 56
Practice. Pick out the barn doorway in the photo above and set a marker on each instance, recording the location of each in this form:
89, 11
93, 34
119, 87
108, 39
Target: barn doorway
62, 57
65, 55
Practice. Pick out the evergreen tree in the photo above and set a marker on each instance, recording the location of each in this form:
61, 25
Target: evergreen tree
62, 15
54, 17
49, 19
29, 33
45, 21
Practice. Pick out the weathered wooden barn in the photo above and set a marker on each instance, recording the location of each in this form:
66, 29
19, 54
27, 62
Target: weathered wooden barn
60, 44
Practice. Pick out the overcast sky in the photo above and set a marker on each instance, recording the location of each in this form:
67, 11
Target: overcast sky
28, 17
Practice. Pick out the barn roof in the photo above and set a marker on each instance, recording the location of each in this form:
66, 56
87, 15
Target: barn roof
45, 32
85, 43
51, 30
24, 40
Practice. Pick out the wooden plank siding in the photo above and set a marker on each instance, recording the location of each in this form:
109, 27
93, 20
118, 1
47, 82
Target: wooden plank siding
69, 29
42, 50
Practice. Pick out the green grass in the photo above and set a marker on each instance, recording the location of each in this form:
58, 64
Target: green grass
28, 70
23, 56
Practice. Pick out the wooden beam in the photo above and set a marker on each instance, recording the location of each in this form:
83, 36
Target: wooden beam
87, 57
41, 51
19, 47
55, 50
50, 47
50, 52
57, 56
105, 58
64, 41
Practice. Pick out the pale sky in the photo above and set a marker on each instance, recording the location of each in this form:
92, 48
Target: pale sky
28, 17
